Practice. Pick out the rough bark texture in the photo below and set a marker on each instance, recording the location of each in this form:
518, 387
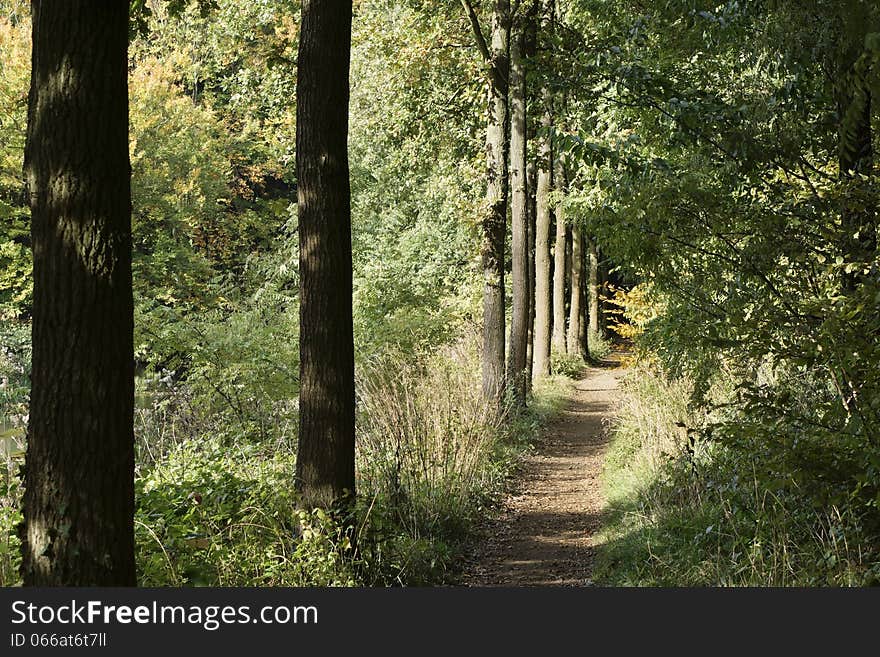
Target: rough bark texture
79, 484
325, 460
559, 265
574, 308
495, 222
519, 328
593, 292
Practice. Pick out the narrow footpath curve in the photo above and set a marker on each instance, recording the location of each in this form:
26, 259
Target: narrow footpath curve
544, 536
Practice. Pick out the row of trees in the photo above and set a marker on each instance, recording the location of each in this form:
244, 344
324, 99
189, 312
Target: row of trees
737, 183
82, 240
554, 282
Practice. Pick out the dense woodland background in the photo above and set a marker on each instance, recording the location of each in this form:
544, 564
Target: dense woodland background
707, 167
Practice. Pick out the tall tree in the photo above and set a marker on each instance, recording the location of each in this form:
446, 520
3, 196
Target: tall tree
494, 223
574, 308
78, 527
532, 175
593, 286
543, 298
519, 329
325, 460
541, 332
583, 322
559, 261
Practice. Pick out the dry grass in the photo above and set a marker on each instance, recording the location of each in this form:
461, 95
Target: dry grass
426, 436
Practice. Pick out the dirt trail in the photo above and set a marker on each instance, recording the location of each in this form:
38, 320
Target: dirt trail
544, 535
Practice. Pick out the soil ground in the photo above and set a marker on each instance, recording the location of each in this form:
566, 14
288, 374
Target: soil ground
544, 534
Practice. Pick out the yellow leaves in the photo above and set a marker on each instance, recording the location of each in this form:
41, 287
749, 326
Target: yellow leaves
633, 309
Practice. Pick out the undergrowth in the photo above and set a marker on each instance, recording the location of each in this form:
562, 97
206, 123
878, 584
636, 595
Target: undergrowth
216, 506
432, 459
690, 507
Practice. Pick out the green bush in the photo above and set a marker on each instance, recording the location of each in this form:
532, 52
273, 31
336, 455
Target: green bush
599, 347
568, 365
211, 515
688, 506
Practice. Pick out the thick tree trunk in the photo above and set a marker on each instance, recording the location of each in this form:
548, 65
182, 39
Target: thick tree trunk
495, 221
593, 292
574, 308
78, 527
325, 460
559, 265
516, 366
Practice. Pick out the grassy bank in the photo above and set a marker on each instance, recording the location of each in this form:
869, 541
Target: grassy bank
216, 506
432, 460
685, 509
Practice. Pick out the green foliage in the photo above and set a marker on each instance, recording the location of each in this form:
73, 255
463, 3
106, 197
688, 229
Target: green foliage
598, 345
217, 508
240, 366
15, 368
734, 185
416, 189
15, 356
688, 510
214, 515
16, 287
10, 517
570, 365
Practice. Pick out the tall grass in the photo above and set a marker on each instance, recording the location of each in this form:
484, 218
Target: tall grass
427, 437
687, 510
432, 456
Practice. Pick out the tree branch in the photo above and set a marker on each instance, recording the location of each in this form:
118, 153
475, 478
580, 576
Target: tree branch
478, 31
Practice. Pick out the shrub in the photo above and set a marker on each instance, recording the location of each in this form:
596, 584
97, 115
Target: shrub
599, 347
690, 506
566, 365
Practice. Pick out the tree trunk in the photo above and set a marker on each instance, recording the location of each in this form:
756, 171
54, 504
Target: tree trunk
541, 341
79, 485
583, 343
594, 287
325, 459
495, 221
530, 352
574, 308
559, 265
516, 372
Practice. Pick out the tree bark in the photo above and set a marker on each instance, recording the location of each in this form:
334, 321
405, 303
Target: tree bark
78, 527
574, 308
541, 342
494, 224
594, 287
532, 176
325, 472
517, 372
583, 342
559, 264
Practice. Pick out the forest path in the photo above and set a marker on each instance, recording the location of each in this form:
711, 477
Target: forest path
544, 535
